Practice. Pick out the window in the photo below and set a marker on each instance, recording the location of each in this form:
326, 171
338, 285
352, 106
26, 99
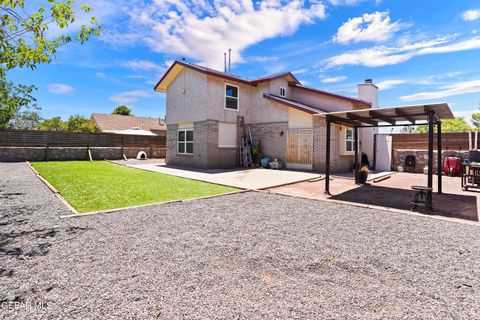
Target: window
283, 92
231, 97
349, 140
185, 141
227, 135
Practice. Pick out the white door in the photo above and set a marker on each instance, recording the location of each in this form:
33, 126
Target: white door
383, 153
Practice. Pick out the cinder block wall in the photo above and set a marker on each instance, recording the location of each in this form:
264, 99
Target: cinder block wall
273, 137
21, 154
421, 158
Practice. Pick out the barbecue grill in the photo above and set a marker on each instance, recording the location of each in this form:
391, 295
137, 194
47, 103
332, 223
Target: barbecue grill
471, 171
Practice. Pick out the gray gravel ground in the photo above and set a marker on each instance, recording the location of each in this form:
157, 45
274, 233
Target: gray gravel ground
241, 256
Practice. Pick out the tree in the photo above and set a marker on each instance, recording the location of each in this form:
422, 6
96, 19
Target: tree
453, 125
78, 123
12, 99
54, 124
123, 110
408, 129
25, 120
24, 44
476, 120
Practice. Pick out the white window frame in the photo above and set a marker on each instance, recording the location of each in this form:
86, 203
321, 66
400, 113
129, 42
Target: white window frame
225, 97
284, 92
347, 140
184, 142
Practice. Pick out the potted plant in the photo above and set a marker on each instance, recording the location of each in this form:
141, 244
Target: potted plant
363, 175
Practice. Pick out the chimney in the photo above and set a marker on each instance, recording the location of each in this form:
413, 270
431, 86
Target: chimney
368, 91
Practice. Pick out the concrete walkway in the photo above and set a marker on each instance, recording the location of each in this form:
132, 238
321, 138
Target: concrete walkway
252, 179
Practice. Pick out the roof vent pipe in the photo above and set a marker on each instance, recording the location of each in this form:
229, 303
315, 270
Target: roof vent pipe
225, 62
229, 59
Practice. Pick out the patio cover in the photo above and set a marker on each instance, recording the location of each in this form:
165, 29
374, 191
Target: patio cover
391, 116
423, 114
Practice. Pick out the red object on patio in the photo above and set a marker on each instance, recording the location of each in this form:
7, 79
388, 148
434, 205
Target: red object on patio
452, 166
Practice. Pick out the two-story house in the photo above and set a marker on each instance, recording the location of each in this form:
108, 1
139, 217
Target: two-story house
203, 105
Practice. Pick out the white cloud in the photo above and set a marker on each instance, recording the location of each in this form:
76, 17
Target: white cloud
446, 91
60, 88
348, 2
300, 71
382, 55
130, 96
369, 27
143, 65
262, 59
334, 79
471, 15
389, 84
202, 30
101, 75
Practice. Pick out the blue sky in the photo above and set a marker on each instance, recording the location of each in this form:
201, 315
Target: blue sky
416, 51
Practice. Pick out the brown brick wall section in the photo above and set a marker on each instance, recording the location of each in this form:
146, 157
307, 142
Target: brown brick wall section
338, 163
206, 153
273, 141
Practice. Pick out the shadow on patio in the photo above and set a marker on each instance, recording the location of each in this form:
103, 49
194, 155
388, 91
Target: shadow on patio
446, 204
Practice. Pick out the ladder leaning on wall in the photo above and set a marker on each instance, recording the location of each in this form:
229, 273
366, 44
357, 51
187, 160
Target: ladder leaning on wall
244, 147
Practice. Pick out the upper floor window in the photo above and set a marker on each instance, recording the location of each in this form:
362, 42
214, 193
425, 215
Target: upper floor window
283, 92
231, 97
349, 140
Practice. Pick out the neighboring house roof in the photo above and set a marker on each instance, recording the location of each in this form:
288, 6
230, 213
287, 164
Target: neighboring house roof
293, 104
115, 123
334, 95
178, 66
136, 131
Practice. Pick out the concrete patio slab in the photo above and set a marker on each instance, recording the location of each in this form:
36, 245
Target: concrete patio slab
394, 192
252, 179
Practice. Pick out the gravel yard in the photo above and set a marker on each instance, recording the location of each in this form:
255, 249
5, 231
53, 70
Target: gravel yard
242, 256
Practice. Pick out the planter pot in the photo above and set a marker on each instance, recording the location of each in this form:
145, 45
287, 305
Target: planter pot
362, 177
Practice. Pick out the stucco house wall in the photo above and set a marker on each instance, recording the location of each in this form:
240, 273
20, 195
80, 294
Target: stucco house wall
187, 98
324, 102
193, 97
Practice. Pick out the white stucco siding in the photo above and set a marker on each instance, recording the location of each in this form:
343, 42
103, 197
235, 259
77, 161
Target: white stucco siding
216, 100
299, 120
324, 102
276, 84
264, 110
187, 98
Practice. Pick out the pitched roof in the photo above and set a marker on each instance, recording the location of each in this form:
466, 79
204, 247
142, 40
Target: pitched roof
174, 69
115, 122
178, 65
335, 95
293, 104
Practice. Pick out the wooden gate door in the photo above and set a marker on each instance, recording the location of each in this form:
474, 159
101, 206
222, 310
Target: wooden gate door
300, 149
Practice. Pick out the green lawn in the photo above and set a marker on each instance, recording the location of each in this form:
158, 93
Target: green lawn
100, 185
